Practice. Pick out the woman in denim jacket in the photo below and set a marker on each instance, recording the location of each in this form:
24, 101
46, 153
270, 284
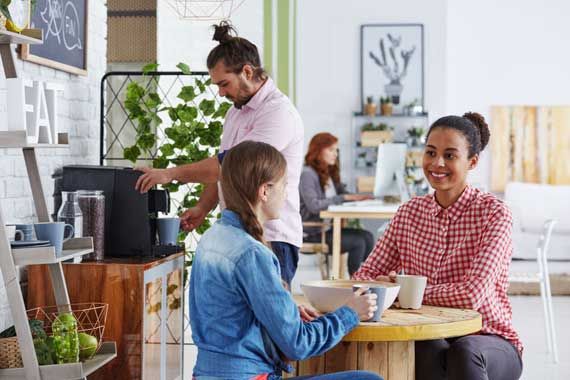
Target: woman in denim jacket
244, 322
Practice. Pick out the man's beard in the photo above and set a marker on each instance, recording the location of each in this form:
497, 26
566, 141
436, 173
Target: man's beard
243, 95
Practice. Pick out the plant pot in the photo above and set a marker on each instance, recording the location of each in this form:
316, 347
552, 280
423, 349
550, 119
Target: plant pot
415, 141
386, 109
394, 90
370, 109
375, 138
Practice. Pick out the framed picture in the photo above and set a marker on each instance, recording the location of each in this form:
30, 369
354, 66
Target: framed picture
392, 63
64, 25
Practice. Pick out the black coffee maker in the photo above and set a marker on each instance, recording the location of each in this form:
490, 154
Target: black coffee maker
130, 217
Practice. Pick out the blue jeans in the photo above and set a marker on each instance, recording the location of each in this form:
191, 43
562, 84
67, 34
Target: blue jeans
347, 375
288, 256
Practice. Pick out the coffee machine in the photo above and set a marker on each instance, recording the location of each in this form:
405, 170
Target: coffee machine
130, 217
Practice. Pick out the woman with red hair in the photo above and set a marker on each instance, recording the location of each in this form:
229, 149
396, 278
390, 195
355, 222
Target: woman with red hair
319, 188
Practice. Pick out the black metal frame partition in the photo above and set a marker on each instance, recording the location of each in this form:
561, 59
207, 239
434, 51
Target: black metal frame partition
116, 92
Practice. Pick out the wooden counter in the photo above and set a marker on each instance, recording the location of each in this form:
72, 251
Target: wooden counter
148, 336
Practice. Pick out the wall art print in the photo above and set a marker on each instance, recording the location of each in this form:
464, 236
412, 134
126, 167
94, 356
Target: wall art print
392, 63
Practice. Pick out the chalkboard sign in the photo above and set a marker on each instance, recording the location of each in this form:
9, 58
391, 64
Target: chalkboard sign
64, 24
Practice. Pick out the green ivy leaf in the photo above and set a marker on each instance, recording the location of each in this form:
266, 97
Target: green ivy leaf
208, 107
135, 91
171, 187
222, 110
200, 85
184, 68
160, 163
132, 153
187, 94
149, 67
156, 119
172, 114
153, 100
143, 124
146, 141
167, 150
187, 114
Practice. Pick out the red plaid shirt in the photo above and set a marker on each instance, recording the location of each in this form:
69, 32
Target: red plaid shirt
464, 250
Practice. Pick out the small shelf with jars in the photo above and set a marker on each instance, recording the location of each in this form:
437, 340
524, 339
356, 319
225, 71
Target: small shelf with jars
369, 131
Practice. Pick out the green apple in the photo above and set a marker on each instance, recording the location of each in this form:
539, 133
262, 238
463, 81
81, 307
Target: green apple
87, 346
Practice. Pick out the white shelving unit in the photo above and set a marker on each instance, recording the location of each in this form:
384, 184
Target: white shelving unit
364, 176
10, 258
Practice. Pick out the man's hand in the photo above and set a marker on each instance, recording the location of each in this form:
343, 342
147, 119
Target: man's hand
152, 177
308, 313
192, 218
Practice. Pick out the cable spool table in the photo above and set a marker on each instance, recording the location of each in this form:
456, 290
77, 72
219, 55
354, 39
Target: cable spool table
387, 347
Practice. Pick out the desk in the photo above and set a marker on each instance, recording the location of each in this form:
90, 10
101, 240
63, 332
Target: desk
345, 211
387, 347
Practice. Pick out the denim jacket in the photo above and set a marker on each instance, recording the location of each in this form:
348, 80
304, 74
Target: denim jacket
243, 320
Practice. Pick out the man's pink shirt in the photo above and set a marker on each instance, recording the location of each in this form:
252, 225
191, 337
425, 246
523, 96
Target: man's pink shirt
270, 117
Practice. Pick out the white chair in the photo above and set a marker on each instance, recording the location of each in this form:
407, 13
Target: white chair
543, 279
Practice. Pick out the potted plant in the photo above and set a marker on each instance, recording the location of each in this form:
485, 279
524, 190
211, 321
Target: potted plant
373, 135
415, 137
370, 106
386, 106
413, 108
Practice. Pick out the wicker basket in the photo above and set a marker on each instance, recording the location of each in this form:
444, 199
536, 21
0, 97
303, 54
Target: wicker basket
90, 318
10, 353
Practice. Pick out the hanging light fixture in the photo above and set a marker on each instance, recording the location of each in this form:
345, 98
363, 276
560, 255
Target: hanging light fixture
205, 10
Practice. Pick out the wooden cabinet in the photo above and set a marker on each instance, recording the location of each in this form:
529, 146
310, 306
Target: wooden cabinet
145, 316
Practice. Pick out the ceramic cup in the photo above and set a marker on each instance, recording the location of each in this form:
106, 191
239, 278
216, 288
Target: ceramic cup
380, 291
411, 290
168, 229
13, 233
27, 229
55, 233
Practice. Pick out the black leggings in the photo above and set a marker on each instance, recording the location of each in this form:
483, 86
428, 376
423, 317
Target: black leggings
358, 243
472, 357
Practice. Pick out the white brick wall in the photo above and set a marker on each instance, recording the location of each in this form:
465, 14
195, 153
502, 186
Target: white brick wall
78, 115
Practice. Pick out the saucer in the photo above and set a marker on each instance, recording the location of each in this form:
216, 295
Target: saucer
29, 243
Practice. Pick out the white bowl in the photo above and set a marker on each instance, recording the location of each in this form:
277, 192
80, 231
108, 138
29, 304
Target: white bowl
329, 295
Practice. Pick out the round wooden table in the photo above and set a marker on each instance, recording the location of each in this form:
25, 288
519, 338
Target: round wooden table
387, 347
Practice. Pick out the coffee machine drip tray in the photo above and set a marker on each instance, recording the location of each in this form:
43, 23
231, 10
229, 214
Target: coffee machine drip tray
165, 250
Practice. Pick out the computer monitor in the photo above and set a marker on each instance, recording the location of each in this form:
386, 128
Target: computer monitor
390, 169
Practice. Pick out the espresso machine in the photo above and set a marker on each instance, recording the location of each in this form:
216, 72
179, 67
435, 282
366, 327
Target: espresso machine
130, 217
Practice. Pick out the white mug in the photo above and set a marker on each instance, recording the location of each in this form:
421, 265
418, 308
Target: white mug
411, 290
13, 233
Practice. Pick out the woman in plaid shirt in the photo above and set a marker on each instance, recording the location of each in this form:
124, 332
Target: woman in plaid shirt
460, 238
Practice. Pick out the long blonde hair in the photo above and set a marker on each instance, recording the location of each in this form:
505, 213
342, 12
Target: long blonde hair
245, 168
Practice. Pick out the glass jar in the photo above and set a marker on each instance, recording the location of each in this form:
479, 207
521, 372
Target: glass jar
70, 212
92, 203
65, 338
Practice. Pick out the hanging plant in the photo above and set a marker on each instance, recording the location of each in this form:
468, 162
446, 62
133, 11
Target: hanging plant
193, 133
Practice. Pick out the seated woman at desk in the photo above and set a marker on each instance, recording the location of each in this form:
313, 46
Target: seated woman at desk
244, 321
319, 188
460, 239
